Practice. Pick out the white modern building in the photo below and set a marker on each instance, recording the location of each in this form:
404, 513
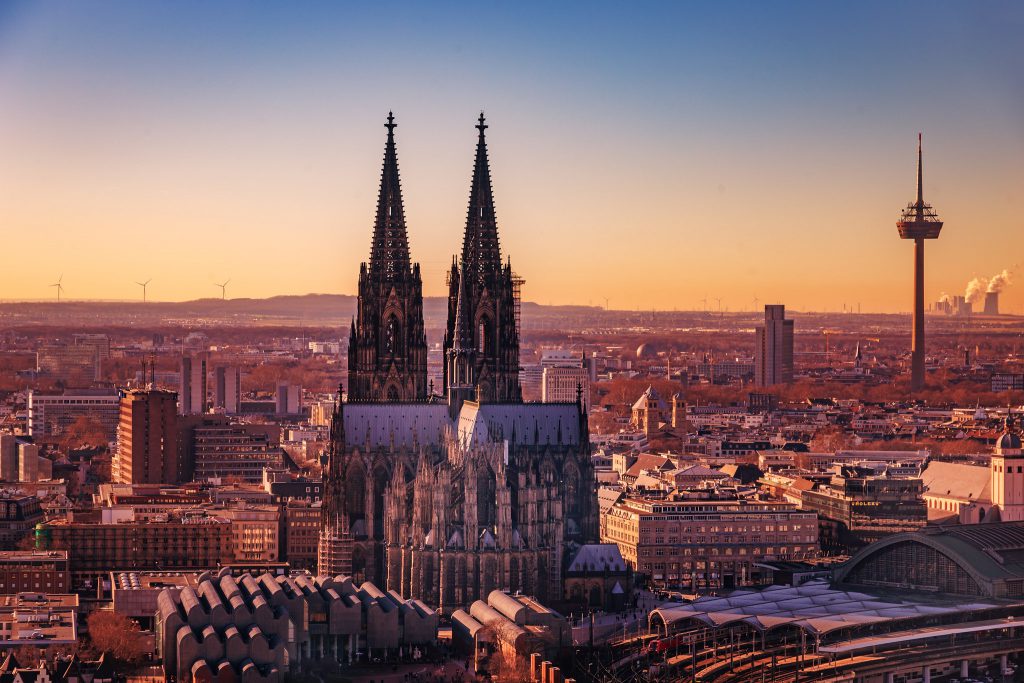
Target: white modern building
562, 385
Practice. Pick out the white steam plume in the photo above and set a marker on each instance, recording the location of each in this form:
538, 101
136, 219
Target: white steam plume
975, 289
999, 281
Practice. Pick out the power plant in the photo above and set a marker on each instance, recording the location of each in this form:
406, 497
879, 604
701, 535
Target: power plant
982, 293
956, 305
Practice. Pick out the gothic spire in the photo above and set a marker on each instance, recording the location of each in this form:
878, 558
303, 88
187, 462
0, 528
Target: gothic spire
481, 254
387, 356
389, 255
337, 430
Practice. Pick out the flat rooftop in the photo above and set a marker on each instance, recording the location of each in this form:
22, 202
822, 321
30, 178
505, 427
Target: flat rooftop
126, 581
19, 556
39, 619
39, 601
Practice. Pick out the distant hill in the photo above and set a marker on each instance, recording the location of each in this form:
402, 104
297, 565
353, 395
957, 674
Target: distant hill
307, 309
336, 310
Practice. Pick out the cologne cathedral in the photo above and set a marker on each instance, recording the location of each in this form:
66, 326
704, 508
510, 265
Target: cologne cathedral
447, 496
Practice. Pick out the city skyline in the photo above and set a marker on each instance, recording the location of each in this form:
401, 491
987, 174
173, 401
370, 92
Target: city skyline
152, 141
548, 342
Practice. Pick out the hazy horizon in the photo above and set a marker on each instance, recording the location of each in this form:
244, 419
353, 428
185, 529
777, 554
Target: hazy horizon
652, 154
711, 310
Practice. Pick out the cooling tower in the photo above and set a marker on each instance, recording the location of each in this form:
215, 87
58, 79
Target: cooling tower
991, 303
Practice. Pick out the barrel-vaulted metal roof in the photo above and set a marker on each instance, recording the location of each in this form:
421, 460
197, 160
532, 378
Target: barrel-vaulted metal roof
991, 553
815, 607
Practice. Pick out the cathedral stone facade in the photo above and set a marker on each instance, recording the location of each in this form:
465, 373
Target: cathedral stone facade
446, 497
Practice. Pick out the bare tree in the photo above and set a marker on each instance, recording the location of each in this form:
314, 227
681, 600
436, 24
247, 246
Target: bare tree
117, 634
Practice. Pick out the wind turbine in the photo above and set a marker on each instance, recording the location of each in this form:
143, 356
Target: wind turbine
143, 285
756, 301
59, 286
223, 289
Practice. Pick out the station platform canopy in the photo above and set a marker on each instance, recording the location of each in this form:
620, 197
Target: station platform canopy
816, 607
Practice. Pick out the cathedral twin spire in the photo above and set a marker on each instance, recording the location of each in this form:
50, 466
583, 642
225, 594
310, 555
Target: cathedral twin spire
482, 334
481, 253
387, 357
387, 347
389, 254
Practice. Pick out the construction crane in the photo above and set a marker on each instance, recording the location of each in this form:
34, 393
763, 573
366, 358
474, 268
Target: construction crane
828, 333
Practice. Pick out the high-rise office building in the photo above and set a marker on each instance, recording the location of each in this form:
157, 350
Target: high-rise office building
773, 355
193, 389
320, 413
532, 376
227, 388
220, 450
289, 399
566, 385
560, 358
591, 366
100, 343
28, 461
8, 457
32, 466
147, 439
49, 415
68, 365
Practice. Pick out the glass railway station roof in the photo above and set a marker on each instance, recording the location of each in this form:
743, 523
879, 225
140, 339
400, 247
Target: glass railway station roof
815, 607
920, 634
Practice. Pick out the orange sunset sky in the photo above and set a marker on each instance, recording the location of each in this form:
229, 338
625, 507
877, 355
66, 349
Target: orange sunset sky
651, 154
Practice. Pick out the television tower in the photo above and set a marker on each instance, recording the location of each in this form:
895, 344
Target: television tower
919, 222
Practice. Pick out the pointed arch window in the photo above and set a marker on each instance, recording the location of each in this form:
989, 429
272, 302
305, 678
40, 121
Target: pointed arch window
355, 494
485, 336
486, 497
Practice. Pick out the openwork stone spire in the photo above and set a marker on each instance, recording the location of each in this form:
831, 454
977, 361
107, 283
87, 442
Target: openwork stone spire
387, 352
389, 255
481, 253
482, 296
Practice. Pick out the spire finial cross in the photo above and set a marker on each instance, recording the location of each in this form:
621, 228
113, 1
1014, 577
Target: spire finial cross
391, 125
481, 126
